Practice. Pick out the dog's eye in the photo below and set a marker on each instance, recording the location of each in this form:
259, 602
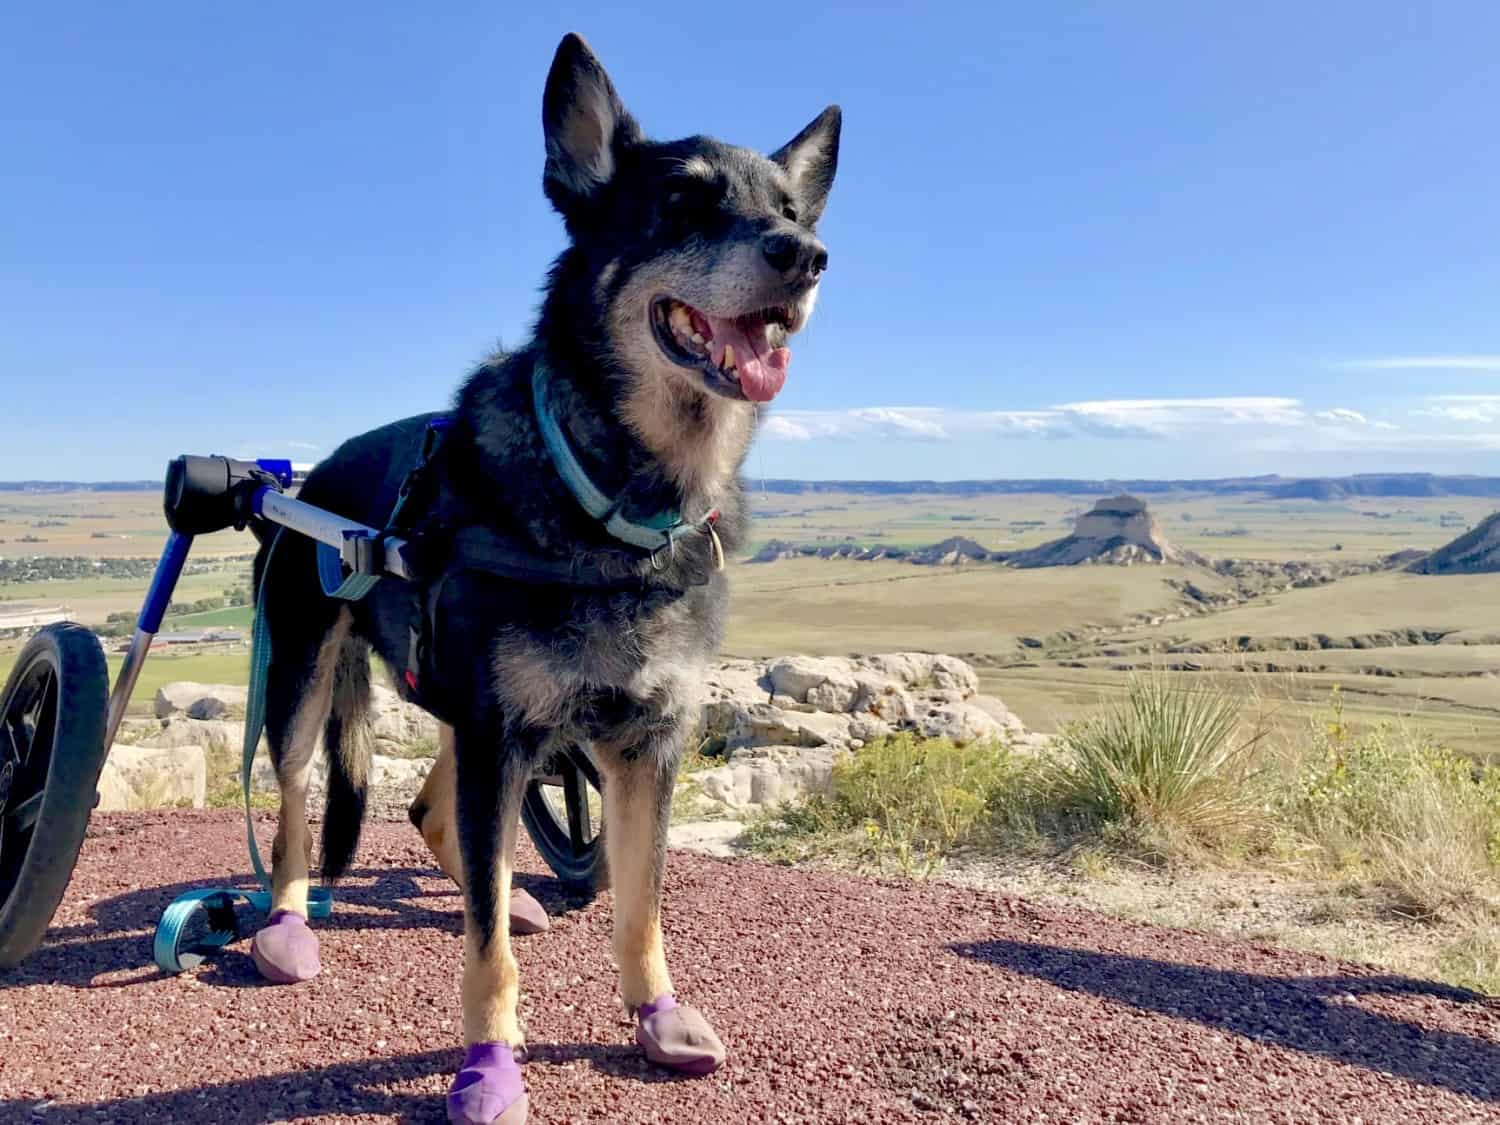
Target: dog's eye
689, 195
789, 212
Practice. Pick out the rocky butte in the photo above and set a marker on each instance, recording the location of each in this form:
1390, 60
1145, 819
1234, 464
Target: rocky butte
1474, 552
1120, 530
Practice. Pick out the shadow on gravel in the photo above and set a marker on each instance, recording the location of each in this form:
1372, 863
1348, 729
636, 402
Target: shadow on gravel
118, 939
348, 1088
1312, 1014
616, 1060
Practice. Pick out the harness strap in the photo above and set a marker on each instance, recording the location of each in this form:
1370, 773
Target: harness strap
335, 583
479, 548
352, 585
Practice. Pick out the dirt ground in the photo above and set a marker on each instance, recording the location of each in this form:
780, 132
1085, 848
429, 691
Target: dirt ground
841, 998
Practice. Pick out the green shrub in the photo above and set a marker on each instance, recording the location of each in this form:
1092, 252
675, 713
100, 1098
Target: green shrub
1472, 959
1415, 816
1167, 765
927, 796
906, 800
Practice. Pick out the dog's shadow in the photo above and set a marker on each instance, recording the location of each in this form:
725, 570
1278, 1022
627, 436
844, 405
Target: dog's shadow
369, 1086
617, 1060
113, 949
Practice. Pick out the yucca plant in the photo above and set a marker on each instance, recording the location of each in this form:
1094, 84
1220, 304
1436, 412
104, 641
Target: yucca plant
1167, 761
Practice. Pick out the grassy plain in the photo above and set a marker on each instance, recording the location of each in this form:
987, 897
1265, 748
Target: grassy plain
1085, 628
98, 524
1095, 622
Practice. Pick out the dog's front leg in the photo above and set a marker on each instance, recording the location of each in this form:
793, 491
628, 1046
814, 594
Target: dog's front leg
638, 785
492, 767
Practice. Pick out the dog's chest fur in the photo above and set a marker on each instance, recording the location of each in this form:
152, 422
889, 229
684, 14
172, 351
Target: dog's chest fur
595, 663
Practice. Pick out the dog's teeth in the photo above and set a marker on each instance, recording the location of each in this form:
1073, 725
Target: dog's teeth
727, 363
697, 337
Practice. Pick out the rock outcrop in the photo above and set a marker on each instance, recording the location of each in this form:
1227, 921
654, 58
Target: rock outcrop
782, 549
778, 725
954, 551
149, 777
199, 701
1119, 531
775, 727
1476, 551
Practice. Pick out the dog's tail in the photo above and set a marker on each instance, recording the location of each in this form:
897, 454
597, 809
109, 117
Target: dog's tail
348, 741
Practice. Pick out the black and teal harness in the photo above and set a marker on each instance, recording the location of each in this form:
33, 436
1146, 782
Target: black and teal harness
479, 549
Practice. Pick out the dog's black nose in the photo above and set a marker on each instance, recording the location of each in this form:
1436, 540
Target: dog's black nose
795, 256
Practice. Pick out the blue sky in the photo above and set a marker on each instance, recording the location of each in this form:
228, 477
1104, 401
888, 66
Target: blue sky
1107, 239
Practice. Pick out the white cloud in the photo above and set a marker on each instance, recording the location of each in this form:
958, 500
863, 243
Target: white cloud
1343, 416
921, 422
1161, 416
1425, 363
1481, 409
1113, 418
779, 427
1252, 418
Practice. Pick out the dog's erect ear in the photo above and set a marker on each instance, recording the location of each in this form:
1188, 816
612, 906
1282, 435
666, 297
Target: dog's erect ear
585, 125
811, 158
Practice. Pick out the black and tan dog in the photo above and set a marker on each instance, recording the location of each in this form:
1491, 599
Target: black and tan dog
606, 452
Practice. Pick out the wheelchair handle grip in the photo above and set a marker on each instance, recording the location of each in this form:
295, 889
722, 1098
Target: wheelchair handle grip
207, 494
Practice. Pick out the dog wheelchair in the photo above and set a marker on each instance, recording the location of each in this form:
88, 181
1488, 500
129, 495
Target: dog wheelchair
59, 717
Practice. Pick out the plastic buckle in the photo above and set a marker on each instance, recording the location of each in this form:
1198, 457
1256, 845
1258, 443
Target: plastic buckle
361, 552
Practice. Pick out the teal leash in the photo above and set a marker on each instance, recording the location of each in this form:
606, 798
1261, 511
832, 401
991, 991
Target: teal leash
220, 927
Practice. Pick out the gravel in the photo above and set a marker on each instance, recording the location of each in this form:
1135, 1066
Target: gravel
841, 998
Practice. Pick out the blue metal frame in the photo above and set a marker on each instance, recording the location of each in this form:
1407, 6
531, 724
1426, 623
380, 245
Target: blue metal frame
278, 467
163, 582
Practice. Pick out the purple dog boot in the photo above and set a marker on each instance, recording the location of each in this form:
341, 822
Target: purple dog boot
488, 1090
527, 916
678, 1037
285, 950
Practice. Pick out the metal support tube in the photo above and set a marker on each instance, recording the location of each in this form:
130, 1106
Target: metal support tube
163, 582
158, 597
325, 527
130, 672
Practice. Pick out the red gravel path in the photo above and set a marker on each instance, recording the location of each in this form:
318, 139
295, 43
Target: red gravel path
841, 999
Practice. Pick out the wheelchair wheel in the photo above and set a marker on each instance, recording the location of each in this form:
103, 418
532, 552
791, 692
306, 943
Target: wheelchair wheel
564, 812
51, 751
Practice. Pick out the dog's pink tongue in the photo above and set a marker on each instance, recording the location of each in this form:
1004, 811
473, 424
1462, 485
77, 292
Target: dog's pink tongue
763, 377
762, 368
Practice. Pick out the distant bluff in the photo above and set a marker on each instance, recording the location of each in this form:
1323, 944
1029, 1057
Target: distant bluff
1119, 531
1474, 552
950, 552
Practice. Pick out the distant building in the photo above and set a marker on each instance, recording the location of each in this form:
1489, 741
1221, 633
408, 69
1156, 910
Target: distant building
180, 637
23, 617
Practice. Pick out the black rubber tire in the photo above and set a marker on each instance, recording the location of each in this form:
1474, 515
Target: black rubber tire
583, 868
35, 865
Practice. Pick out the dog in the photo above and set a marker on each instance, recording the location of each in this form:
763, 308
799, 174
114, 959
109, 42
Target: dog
662, 330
